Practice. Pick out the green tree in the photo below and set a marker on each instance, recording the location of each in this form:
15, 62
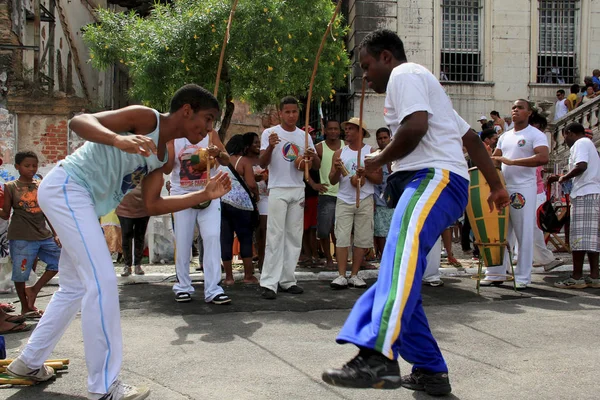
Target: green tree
270, 53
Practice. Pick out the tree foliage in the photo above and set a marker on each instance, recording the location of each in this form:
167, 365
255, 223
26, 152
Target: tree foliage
270, 54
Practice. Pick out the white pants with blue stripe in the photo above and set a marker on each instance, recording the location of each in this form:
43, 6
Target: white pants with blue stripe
87, 283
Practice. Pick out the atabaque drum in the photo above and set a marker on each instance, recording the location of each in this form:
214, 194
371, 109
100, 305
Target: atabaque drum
489, 228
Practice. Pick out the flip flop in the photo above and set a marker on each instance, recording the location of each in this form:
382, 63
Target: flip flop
15, 319
16, 329
36, 314
7, 307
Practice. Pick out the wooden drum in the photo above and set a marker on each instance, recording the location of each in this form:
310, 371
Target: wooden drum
489, 228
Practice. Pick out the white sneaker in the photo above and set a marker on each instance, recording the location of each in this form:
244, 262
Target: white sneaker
18, 369
120, 391
434, 283
490, 282
339, 283
520, 286
444, 253
554, 264
356, 282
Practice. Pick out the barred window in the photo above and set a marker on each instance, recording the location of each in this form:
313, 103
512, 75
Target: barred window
557, 52
461, 41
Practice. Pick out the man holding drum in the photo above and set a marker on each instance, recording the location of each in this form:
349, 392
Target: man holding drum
388, 320
520, 151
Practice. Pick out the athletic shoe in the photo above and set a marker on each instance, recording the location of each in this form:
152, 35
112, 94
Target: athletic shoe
294, 289
591, 282
339, 283
139, 270
490, 282
356, 282
221, 299
520, 286
434, 283
126, 271
183, 297
553, 264
368, 371
444, 253
268, 294
432, 384
18, 369
571, 283
120, 391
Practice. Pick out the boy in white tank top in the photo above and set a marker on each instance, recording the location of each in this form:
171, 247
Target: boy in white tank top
123, 147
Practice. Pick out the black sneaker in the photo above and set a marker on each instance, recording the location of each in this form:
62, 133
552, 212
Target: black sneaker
268, 294
433, 384
294, 289
375, 371
183, 297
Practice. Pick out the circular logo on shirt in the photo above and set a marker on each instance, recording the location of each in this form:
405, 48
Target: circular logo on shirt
521, 142
290, 152
517, 201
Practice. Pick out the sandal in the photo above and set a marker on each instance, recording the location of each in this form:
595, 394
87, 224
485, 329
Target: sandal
454, 262
183, 297
7, 307
15, 319
35, 314
16, 329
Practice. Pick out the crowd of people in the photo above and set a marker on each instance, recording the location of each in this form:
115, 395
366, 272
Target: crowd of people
403, 199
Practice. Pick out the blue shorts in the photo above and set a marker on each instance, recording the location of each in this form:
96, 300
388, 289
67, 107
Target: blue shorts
24, 252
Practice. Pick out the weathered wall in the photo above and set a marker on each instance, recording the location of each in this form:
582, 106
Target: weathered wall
46, 135
8, 136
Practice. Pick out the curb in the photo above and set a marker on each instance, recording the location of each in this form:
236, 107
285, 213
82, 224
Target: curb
307, 276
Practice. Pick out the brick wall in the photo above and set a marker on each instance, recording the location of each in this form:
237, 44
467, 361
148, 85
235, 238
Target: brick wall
47, 135
53, 142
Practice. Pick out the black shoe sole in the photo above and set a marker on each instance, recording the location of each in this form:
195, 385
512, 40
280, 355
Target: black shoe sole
386, 382
338, 287
437, 390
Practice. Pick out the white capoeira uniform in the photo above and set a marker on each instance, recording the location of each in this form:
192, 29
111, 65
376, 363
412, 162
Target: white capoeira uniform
86, 185
522, 189
184, 179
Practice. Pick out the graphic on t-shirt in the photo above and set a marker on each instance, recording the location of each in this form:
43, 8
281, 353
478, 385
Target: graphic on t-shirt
517, 201
130, 181
521, 142
290, 152
188, 175
27, 198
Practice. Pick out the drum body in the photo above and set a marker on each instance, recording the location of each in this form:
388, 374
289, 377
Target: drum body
489, 228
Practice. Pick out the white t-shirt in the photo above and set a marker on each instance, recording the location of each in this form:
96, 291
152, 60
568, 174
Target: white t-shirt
282, 172
520, 144
347, 192
184, 178
583, 150
413, 88
560, 109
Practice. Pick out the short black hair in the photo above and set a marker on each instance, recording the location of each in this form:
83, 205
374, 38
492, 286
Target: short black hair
496, 113
332, 120
529, 105
383, 129
575, 88
560, 91
287, 100
538, 119
383, 39
236, 145
487, 134
575, 127
196, 96
22, 155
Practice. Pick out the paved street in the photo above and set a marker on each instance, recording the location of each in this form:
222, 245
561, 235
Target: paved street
538, 344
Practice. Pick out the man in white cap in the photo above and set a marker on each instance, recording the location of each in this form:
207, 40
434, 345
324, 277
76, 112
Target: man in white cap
350, 173
484, 122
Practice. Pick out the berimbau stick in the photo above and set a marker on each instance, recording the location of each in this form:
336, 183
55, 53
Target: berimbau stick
360, 136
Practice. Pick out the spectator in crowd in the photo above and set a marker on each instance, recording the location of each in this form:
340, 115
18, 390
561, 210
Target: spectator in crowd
508, 123
489, 137
383, 214
498, 122
484, 122
237, 207
596, 77
282, 150
573, 99
327, 200
134, 221
188, 178
519, 151
584, 232
28, 235
348, 215
111, 227
560, 107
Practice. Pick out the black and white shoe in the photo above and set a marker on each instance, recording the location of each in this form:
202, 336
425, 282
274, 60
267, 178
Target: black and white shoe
221, 299
294, 289
183, 297
369, 371
433, 384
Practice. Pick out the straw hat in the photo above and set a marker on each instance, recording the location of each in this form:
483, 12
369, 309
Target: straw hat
355, 121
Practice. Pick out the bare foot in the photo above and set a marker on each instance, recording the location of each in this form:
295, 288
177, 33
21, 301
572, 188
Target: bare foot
31, 297
251, 280
228, 282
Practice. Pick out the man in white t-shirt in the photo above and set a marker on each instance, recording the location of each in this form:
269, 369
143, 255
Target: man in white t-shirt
347, 214
430, 188
283, 151
520, 150
560, 108
584, 171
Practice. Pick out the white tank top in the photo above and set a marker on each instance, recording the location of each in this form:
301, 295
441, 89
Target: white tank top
347, 192
185, 179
